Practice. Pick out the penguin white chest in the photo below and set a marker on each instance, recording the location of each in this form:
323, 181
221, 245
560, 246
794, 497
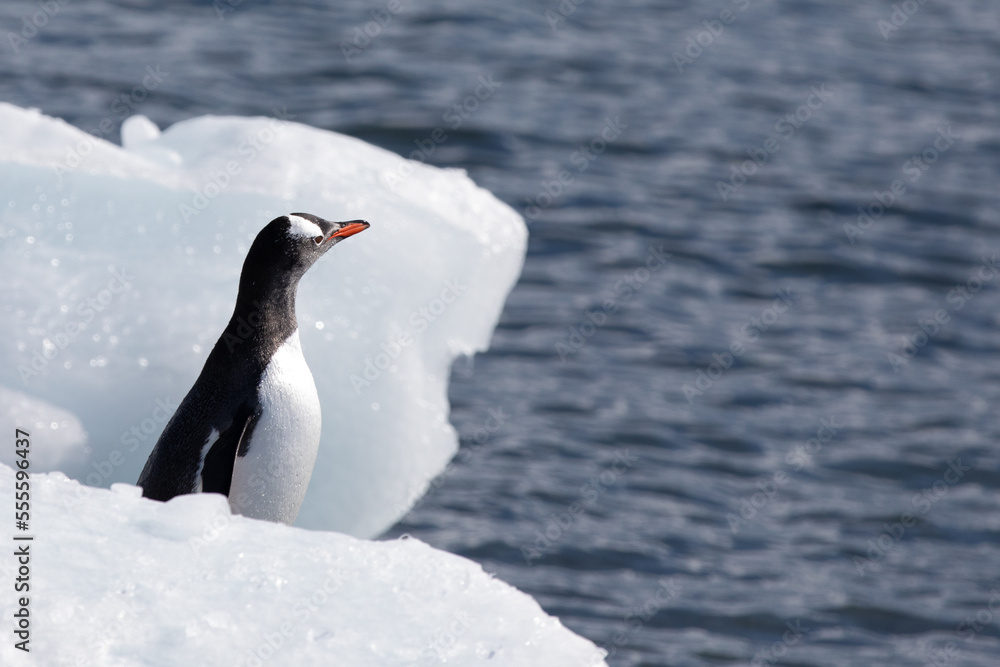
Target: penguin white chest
270, 480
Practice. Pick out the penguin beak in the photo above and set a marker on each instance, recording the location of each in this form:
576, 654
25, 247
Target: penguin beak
349, 229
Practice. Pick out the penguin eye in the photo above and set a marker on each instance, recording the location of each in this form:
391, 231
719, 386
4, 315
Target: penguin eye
318, 240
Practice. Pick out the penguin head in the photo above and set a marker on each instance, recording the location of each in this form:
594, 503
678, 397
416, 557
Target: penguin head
305, 237
289, 245
313, 235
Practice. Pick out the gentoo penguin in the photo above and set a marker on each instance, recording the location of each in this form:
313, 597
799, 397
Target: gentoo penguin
249, 428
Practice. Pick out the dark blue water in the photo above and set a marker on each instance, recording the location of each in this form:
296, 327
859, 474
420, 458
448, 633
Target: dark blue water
727, 418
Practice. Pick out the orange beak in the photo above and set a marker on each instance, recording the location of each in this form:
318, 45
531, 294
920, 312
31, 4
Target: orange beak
350, 229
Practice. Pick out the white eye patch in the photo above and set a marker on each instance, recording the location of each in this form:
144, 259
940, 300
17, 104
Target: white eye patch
303, 227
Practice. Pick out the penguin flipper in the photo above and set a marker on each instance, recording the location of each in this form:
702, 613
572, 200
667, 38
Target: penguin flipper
217, 471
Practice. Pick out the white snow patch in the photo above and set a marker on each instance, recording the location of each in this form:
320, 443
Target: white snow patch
119, 580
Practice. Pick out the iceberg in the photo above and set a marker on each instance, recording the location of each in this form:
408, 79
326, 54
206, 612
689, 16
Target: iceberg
121, 265
119, 580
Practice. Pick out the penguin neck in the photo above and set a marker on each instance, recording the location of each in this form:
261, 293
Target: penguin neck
265, 314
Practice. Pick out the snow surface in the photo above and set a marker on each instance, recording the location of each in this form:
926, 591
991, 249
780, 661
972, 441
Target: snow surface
120, 269
117, 579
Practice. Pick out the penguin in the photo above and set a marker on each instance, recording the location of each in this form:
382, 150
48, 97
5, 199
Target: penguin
249, 427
